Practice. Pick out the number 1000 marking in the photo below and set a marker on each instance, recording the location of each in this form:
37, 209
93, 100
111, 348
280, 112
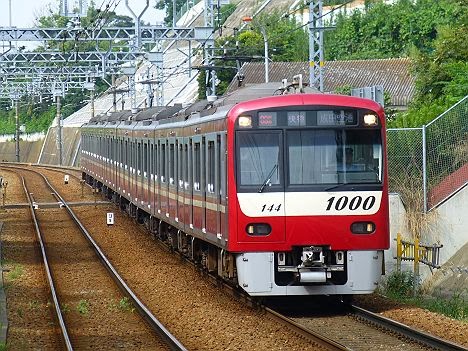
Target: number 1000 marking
356, 202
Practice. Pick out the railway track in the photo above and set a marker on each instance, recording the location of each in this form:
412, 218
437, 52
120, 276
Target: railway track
353, 328
79, 277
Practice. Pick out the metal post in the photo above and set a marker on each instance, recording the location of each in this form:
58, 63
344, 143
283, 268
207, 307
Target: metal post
59, 131
114, 94
399, 252
316, 58
92, 103
174, 14
416, 266
17, 134
265, 42
424, 150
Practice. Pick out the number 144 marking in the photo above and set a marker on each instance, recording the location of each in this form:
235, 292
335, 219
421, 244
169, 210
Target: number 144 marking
271, 208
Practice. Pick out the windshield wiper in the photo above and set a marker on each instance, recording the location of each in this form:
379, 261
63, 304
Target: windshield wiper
268, 178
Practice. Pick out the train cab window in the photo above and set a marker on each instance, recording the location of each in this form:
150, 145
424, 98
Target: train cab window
259, 160
334, 156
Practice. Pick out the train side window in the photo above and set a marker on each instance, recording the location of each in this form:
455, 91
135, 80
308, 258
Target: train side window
180, 161
125, 152
171, 165
163, 162
186, 168
196, 166
145, 159
211, 172
155, 162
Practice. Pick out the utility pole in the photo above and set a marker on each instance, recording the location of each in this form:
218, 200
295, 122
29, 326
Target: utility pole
209, 49
316, 57
59, 128
17, 131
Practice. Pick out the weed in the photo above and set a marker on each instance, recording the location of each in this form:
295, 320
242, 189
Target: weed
83, 307
456, 306
34, 305
3, 346
65, 308
16, 272
20, 312
399, 285
125, 304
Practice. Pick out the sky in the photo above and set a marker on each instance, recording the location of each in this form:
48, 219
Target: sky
23, 12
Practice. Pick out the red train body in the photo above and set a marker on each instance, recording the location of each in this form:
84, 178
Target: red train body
283, 195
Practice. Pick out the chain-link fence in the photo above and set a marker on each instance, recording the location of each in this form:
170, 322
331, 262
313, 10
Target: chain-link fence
427, 165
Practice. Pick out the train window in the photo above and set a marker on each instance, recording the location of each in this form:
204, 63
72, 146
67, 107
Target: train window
196, 166
155, 161
186, 167
171, 165
145, 159
210, 186
334, 156
125, 154
139, 158
163, 162
181, 161
258, 159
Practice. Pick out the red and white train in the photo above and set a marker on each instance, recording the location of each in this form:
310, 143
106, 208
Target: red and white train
283, 195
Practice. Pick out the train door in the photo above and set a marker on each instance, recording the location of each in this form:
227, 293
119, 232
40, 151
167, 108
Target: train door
145, 185
212, 172
157, 174
164, 187
181, 161
128, 167
198, 191
151, 180
133, 174
223, 186
172, 180
188, 182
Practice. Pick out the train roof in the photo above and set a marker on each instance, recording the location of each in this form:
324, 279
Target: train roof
203, 107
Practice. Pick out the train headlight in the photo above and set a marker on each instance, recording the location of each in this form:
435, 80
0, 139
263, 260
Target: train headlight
370, 119
245, 121
362, 228
258, 229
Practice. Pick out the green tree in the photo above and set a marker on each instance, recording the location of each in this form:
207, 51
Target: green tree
168, 6
287, 42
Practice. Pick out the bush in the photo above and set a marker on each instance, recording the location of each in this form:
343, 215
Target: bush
399, 284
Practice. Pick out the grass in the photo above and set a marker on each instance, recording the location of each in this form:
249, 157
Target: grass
124, 304
16, 272
83, 307
399, 286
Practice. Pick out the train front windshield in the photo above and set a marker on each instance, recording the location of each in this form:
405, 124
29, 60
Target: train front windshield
313, 159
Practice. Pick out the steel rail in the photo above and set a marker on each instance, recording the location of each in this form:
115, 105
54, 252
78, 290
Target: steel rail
58, 312
306, 333
318, 338
168, 338
402, 329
